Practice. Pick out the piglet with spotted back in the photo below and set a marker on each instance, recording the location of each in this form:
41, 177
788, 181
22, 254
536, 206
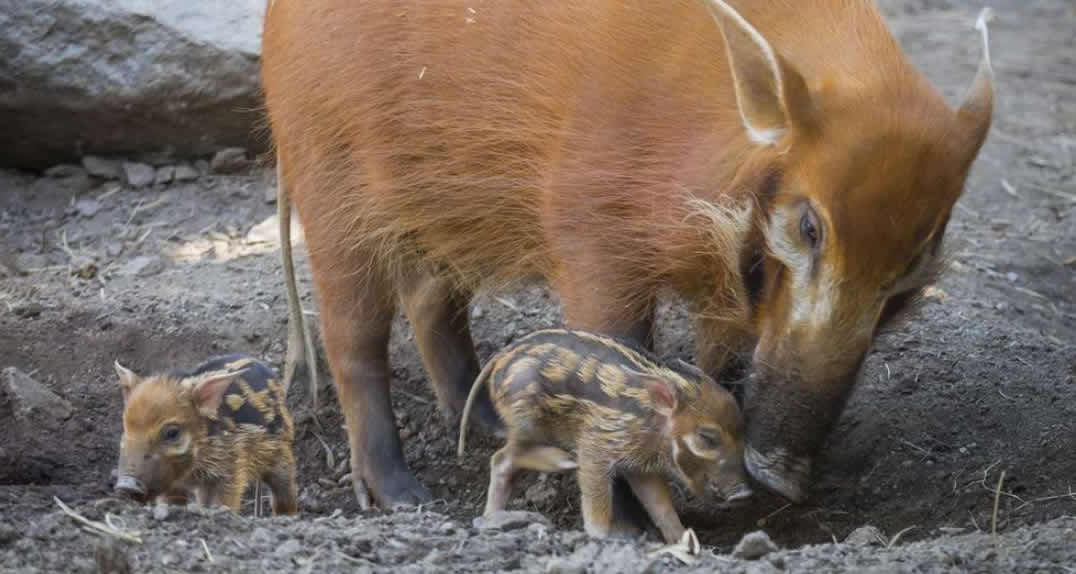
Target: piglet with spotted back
622, 413
210, 431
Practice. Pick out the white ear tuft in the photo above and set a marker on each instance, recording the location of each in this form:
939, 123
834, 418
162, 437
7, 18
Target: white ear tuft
756, 74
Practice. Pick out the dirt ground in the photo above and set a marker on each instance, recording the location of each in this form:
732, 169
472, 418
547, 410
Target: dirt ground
981, 382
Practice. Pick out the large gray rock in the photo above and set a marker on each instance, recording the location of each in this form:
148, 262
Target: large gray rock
122, 77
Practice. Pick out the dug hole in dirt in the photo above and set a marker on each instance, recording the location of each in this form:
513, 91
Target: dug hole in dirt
978, 387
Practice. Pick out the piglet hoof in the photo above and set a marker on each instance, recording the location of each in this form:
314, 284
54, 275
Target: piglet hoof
362, 494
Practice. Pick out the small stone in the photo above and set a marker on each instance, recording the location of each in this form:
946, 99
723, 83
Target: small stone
138, 174
111, 558
185, 172
506, 520
33, 402
168, 558
288, 548
268, 231
229, 160
1011, 276
539, 493
576, 562
142, 266
165, 174
157, 158
761, 568
866, 536
477, 312
101, 167
64, 171
87, 206
114, 249
28, 309
754, 545
270, 194
160, 512
30, 261
261, 536
8, 534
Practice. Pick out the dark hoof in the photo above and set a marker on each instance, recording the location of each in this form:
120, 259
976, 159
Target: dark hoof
399, 490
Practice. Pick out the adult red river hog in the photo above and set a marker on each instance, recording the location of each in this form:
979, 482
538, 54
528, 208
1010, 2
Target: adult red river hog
780, 165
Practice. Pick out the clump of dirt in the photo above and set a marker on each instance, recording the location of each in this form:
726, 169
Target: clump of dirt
190, 539
980, 382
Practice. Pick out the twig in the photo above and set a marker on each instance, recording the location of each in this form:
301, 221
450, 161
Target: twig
896, 537
108, 193
1029, 292
353, 559
205, 547
507, 303
330, 460
1054, 192
97, 527
1009, 189
762, 521
997, 498
1071, 495
915, 446
983, 482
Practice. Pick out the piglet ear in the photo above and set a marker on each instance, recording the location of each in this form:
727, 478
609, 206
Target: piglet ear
208, 394
662, 396
128, 379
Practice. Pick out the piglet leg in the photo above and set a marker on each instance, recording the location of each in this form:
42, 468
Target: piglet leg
653, 492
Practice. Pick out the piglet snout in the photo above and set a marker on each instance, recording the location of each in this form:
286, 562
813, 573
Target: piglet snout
131, 486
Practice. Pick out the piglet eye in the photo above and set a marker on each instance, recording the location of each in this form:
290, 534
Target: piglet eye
170, 433
809, 228
709, 437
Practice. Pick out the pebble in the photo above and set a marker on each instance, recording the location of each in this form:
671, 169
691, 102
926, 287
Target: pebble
539, 493
101, 167
33, 402
505, 520
866, 536
111, 557
229, 160
87, 206
292, 546
185, 172
138, 174
142, 266
164, 174
64, 171
28, 310
576, 562
270, 194
477, 312
160, 512
261, 536
754, 545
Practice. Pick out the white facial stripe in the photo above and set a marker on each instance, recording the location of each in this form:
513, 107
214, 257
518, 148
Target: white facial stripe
182, 447
810, 306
